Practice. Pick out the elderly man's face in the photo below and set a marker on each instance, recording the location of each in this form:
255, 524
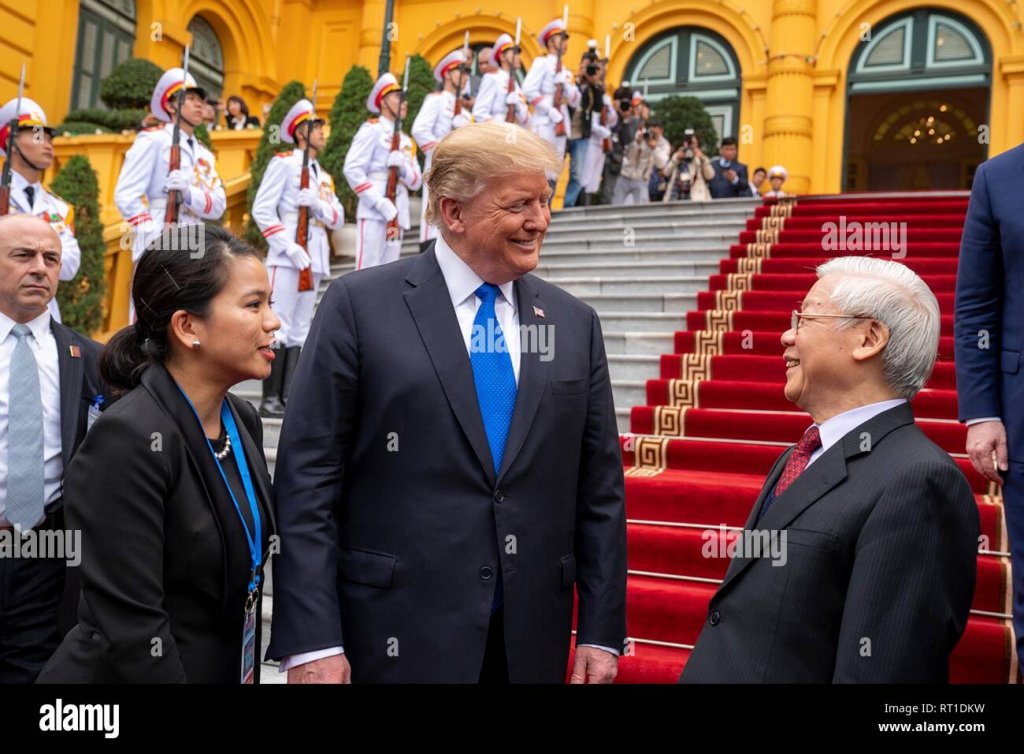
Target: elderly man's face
505, 225
820, 367
30, 254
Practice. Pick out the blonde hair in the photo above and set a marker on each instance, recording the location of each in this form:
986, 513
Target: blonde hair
469, 158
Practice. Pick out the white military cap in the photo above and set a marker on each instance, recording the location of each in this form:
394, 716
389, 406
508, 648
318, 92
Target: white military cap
385, 85
449, 62
30, 115
168, 86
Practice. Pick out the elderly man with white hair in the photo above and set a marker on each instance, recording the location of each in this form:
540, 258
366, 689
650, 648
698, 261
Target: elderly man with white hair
866, 531
449, 467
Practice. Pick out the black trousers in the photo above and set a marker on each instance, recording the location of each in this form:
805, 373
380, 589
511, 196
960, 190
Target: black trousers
30, 601
495, 668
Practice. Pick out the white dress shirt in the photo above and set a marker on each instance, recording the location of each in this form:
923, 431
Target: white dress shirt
834, 429
44, 348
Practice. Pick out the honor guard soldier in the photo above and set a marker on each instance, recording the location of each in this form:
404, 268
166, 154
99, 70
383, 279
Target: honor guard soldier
141, 192
551, 88
33, 155
276, 211
366, 170
437, 118
494, 98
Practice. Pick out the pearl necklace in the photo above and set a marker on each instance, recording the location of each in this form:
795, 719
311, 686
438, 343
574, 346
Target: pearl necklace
221, 455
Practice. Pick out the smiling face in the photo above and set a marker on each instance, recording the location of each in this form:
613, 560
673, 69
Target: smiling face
237, 332
826, 369
30, 254
499, 232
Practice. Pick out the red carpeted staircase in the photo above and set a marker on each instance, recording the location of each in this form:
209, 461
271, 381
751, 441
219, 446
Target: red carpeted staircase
716, 420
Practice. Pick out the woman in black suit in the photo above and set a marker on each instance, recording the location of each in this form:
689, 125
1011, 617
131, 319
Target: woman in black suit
170, 487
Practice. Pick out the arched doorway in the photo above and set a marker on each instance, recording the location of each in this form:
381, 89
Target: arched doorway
106, 35
917, 103
695, 62
207, 56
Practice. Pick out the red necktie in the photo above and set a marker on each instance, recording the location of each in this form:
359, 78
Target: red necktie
798, 459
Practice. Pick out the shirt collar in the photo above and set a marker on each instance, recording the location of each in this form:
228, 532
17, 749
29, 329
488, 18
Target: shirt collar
39, 326
834, 429
19, 182
460, 278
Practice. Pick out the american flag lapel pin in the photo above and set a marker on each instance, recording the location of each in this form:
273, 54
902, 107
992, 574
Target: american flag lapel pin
538, 312
76, 352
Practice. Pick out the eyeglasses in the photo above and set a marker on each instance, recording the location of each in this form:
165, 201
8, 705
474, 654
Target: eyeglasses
794, 321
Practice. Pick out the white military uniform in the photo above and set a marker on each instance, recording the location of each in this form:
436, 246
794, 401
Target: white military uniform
593, 161
366, 171
276, 211
491, 99
44, 203
140, 196
435, 120
539, 86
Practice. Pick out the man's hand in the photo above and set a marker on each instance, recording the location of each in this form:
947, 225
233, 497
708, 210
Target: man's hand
730, 175
983, 440
593, 665
334, 669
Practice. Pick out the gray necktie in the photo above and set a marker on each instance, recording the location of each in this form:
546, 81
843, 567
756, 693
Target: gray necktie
24, 436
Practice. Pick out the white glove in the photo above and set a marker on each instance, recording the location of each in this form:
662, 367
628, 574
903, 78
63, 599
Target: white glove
387, 208
307, 198
396, 159
568, 77
178, 180
298, 255
512, 98
555, 115
601, 132
459, 121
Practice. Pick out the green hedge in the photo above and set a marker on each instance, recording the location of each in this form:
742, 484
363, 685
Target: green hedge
347, 114
81, 299
679, 113
130, 85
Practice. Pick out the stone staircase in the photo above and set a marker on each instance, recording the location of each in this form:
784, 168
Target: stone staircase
640, 267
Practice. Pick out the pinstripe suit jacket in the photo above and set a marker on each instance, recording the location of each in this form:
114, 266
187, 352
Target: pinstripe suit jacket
881, 539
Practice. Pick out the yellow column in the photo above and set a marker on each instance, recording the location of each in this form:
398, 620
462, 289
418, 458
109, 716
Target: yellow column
371, 32
581, 28
789, 101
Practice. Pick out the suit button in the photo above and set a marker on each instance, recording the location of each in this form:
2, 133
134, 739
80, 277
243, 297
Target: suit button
714, 618
499, 496
486, 573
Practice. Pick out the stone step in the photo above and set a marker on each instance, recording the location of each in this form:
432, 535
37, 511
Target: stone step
645, 322
584, 287
558, 271
615, 303
629, 393
633, 366
637, 343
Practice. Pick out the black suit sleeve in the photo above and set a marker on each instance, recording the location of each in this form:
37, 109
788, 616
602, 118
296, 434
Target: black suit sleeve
122, 525
601, 513
317, 435
913, 580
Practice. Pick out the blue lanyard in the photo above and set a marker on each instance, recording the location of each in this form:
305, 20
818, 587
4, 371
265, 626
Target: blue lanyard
255, 555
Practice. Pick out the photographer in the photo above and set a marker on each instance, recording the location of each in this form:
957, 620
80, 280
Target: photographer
688, 172
582, 121
624, 125
648, 151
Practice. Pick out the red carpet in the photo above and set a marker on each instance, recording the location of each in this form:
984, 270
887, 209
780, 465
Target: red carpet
716, 419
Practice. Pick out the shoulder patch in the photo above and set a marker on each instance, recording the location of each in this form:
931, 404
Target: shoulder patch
285, 153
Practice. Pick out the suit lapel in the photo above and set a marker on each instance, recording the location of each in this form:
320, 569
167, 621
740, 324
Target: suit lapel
430, 304
71, 371
533, 372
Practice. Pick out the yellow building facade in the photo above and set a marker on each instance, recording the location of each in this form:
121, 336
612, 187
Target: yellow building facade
847, 94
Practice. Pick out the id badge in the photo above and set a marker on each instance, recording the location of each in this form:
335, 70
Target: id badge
93, 414
249, 641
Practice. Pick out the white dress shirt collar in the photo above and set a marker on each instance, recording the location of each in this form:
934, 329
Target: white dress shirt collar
39, 326
834, 429
19, 182
460, 278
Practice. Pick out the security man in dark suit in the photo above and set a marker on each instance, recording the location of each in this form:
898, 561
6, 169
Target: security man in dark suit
50, 393
730, 179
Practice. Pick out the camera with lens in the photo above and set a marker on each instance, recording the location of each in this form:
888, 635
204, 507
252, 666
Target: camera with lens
592, 69
689, 142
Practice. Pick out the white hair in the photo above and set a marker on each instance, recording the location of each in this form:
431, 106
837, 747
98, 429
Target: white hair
893, 294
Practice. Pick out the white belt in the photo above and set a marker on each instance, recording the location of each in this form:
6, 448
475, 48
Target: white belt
292, 218
377, 175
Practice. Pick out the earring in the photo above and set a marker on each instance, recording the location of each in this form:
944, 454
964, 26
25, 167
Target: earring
195, 345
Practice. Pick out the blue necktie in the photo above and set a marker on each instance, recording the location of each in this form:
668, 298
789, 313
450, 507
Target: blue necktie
24, 436
492, 373
495, 388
